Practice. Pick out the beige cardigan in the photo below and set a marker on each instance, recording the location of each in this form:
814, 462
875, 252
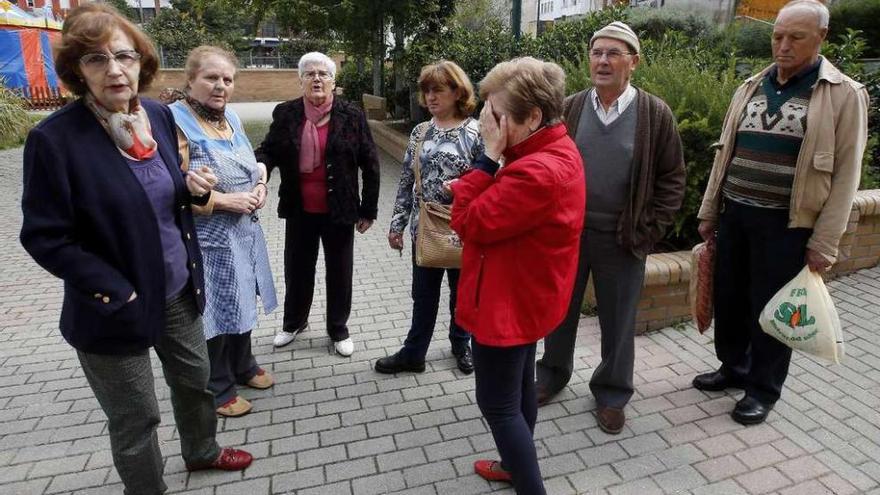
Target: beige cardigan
828, 167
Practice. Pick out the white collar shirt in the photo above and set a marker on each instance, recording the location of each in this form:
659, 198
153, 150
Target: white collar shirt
617, 108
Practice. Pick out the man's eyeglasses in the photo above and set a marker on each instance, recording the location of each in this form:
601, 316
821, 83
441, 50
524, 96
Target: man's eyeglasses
125, 58
612, 55
322, 75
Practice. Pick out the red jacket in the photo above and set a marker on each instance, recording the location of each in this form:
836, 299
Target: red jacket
520, 230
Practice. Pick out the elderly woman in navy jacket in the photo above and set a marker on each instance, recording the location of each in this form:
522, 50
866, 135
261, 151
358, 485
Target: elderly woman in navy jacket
107, 210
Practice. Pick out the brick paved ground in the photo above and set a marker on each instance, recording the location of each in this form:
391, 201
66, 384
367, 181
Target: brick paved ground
333, 426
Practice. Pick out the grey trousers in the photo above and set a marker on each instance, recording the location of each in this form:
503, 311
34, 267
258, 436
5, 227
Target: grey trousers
618, 276
124, 387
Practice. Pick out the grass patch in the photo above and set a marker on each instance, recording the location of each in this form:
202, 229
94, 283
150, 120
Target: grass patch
256, 130
15, 122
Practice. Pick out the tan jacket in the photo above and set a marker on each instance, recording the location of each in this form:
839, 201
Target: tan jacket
828, 167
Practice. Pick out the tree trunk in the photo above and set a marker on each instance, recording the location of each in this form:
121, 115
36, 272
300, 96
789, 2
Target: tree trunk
378, 55
397, 109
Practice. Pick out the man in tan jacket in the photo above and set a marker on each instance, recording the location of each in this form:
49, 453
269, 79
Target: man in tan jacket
779, 197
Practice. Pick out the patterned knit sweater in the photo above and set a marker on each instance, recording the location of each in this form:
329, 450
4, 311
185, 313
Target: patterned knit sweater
768, 141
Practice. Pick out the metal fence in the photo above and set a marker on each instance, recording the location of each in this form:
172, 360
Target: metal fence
247, 59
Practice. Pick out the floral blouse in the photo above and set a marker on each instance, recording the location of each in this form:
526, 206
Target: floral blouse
446, 155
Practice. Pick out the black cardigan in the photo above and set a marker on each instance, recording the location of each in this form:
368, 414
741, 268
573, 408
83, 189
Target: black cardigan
349, 147
88, 221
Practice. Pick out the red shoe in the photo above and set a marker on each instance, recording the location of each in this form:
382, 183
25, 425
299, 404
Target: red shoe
491, 470
229, 460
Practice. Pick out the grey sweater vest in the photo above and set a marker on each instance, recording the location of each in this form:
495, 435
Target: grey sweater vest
608, 159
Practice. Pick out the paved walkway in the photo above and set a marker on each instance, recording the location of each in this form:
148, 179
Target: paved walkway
333, 426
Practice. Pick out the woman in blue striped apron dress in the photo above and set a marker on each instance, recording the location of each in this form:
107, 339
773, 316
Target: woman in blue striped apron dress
231, 239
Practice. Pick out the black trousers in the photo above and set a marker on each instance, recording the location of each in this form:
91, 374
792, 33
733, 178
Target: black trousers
232, 361
757, 254
426, 285
505, 390
301, 238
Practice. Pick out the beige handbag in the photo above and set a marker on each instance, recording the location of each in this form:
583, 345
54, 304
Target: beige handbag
437, 245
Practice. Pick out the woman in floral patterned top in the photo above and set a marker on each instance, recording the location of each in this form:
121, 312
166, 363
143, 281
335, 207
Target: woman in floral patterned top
451, 142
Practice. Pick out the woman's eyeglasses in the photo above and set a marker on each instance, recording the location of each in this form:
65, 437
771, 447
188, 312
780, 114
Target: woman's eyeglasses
322, 75
125, 58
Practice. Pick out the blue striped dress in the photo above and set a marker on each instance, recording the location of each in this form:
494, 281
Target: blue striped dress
233, 247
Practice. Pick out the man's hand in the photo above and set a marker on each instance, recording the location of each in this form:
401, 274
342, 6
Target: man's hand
363, 225
816, 261
707, 229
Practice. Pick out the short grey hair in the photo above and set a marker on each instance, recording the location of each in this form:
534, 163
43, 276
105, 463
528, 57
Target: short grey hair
317, 58
817, 7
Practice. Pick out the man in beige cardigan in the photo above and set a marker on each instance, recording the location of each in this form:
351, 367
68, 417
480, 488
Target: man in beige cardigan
778, 198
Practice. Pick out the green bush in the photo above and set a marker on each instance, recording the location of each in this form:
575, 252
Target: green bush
654, 23
14, 120
752, 39
354, 83
863, 15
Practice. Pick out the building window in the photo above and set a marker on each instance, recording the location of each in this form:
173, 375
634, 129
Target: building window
30, 3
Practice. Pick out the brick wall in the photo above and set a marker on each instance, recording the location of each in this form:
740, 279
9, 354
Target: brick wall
665, 294
250, 84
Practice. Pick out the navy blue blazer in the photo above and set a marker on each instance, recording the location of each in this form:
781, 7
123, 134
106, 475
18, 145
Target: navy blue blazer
88, 221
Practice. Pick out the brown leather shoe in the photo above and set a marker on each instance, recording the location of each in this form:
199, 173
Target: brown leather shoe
235, 407
262, 380
545, 394
611, 420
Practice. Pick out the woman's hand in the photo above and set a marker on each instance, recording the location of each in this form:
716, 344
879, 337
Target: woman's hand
707, 229
201, 181
261, 191
494, 132
816, 261
242, 203
395, 240
447, 187
364, 225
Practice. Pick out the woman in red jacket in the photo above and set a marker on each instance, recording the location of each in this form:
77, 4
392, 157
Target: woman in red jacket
520, 225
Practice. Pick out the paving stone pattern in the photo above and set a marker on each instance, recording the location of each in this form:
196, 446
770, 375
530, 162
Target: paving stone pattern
333, 426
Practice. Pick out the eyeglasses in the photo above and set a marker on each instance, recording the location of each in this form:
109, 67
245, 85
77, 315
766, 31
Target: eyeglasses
612, 55
322, 75
100, 61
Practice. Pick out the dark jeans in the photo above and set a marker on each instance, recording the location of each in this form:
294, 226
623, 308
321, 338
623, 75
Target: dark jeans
124, 387
301, 238
505, 389
426, 286
757, 254
232, 361
618, 277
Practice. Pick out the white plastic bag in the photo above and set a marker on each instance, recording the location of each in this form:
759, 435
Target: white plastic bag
802, 316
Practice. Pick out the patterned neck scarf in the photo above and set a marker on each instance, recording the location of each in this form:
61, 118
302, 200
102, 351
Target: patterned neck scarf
131, 132
216, 118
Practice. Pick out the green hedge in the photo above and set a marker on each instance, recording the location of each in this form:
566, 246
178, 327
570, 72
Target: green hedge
863, 15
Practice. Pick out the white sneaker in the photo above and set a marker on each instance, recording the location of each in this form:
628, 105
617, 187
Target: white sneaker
283, 338
345, 347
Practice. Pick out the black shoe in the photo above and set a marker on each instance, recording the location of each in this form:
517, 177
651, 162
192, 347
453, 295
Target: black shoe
395, 364
465, 361
716, 381
750, 411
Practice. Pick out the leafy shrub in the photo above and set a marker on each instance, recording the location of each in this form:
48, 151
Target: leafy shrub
752, 39
14, 120
354, 82
862, 15
654, 23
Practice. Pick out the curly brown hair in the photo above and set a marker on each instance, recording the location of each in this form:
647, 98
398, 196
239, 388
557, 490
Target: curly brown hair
86, 29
